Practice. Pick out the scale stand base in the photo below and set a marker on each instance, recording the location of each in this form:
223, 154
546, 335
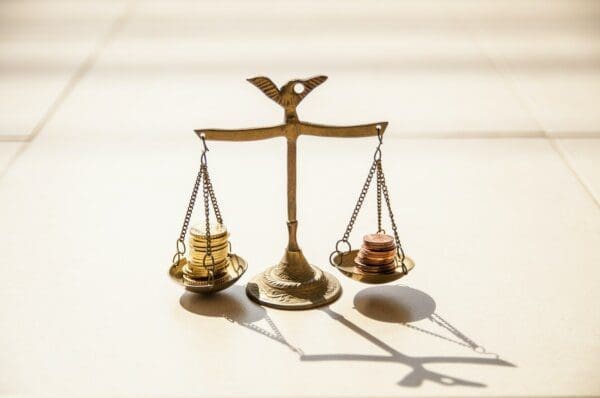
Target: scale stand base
294, 284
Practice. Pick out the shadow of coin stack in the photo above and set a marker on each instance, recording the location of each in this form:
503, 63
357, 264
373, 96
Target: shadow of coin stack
200, 266
377, 255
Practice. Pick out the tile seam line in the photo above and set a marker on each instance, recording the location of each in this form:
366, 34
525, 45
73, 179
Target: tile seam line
569, 165
85, 66
503, 70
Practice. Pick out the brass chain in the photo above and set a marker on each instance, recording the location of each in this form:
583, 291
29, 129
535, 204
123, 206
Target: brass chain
213, 198
208, 196
379, 183
386, 195
206, 212
180, 243
208, 254
358, 206
359, 202
206, 188
381, 189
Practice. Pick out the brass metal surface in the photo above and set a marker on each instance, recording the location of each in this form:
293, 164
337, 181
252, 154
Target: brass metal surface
293, 283
237, 267
348, 267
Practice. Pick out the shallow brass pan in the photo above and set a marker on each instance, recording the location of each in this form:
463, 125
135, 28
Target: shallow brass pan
229, 277
348, 268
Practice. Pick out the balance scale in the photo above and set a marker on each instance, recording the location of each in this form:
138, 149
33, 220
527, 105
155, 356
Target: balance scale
293, 283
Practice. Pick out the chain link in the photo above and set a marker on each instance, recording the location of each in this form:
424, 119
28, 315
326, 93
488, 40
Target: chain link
381, 189
377, 158
386, 195
180, 243
213, 198
208, 254
206, 212
359, 202
209, 197
379, 184
357, 207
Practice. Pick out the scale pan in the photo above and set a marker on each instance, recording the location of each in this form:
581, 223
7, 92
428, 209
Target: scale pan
348, 268
223, 282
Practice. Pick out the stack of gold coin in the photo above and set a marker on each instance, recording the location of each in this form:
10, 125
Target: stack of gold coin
199, 263
377, 254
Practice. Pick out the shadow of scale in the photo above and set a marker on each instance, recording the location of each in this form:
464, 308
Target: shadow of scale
404, 305
233, 306
391, 304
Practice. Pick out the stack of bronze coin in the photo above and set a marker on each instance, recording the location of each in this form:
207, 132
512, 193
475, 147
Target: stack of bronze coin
200, 265
377, 254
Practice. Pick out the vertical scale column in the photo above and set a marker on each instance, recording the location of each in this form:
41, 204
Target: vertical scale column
291, 192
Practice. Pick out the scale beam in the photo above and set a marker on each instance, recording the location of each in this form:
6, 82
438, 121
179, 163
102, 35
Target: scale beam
292, 130
319, 130
261, 133
293, 283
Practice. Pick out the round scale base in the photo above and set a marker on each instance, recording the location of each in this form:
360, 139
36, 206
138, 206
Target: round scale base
269, 290
348, 268
234, 271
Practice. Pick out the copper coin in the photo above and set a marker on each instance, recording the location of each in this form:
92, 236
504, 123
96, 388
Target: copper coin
361, 264
376, 259
378, 240
375, 270
372, 263
377, 253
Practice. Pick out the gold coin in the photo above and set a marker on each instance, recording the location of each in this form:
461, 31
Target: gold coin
202, 272
213, 243
202, 238
202, 256
205, 278
213, 248
197, 265
202, 253
216, 230
199, 262
213, 240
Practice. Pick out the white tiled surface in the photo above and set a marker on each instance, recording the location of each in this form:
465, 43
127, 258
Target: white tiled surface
505, 232
8, 151
42, 45
549, 52
483, 237
411, 56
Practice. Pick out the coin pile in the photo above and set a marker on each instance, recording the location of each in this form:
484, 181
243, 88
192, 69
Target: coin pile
377, 254
199, 265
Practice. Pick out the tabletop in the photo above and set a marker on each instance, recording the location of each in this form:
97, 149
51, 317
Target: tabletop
494, 189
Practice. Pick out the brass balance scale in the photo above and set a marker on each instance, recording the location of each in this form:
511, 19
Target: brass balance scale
293, 283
